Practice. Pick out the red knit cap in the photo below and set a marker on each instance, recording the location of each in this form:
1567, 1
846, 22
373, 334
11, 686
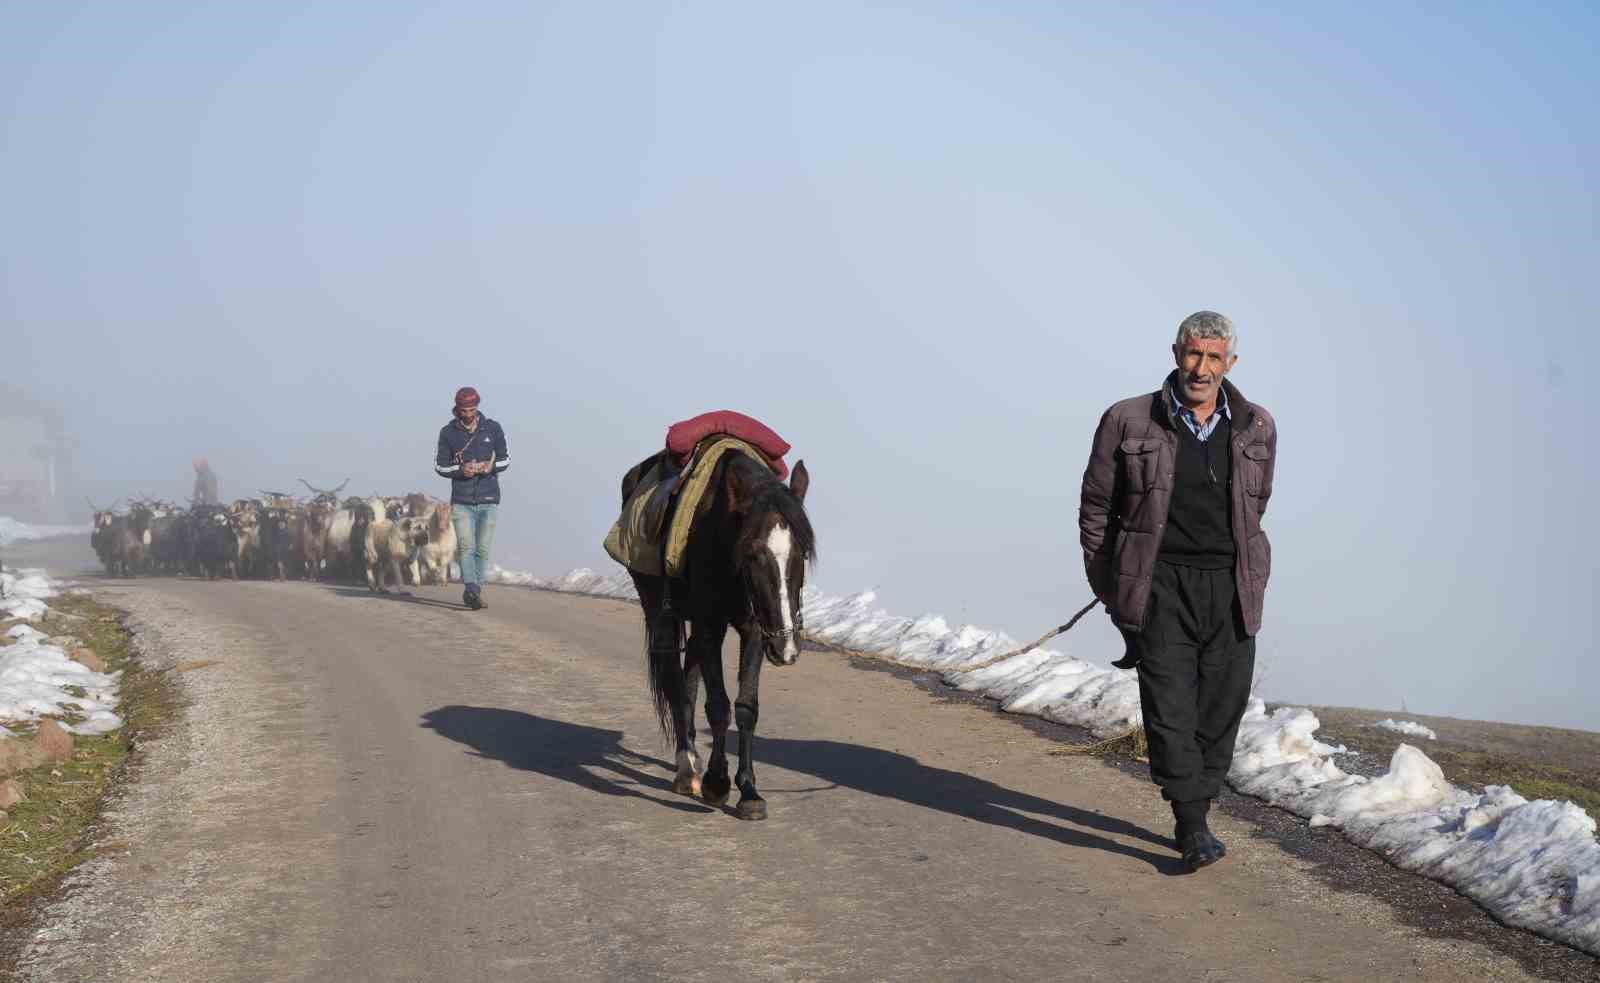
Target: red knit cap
466, 396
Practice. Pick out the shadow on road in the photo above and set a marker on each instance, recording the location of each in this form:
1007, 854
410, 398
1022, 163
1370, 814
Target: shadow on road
403, 596
893, 775
581, 754
571, 752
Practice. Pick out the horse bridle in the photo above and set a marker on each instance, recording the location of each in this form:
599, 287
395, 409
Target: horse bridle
767, 633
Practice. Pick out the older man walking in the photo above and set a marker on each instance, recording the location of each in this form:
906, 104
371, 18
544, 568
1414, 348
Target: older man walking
1170, 522
472, 454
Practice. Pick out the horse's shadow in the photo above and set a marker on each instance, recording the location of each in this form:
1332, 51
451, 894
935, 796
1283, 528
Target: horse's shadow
581, 755
589, 757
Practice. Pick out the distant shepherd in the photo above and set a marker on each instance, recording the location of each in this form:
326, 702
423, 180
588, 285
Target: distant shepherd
205, 483
1170, 523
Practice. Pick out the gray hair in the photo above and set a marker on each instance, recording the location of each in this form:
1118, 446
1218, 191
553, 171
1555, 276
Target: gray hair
1207, 324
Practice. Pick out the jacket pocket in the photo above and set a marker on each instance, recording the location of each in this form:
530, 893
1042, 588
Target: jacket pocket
1255, 467
1141, 462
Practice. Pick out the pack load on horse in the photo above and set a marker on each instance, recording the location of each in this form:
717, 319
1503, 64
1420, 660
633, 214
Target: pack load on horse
713, 540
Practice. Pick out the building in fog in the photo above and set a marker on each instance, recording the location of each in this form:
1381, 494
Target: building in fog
35, 457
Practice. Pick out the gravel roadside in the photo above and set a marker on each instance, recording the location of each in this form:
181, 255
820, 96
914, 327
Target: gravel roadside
197, 811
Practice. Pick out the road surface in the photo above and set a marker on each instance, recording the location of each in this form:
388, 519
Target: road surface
371, 788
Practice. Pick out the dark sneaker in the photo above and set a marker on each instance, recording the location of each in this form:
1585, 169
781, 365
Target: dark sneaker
1201, 850
471, 598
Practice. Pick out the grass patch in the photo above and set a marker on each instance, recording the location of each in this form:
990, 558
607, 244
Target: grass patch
1132, 744
49, 834
1530, 779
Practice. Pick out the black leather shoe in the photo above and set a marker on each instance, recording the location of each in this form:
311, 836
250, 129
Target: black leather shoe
1201, 850
471, 599
1222, 848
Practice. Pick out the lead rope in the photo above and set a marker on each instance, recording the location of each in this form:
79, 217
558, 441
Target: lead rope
1136, 748
986, 663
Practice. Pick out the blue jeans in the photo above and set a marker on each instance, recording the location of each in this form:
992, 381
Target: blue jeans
474, 526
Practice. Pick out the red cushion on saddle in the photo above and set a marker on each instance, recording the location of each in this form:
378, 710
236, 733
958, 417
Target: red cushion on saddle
683, 437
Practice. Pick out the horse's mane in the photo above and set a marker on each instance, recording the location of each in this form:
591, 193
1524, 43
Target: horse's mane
769, 494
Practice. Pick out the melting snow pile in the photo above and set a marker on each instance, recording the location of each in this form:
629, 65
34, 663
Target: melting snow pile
12, 531
22, 594
1535, 865
580, 581
38, 679
1410, 728
1044, 682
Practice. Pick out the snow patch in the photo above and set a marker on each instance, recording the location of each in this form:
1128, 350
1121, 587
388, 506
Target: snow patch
37, 678
580, 581
23, 593
1410, 728
12, 531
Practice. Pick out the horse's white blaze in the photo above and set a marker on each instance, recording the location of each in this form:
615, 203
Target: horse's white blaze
781, 543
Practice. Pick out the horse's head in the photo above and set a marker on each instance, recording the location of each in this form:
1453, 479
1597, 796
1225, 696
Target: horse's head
775, 544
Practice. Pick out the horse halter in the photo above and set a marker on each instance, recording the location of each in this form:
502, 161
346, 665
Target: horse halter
768, 633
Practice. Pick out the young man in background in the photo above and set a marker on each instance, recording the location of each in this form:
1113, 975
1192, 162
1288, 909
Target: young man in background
472, 454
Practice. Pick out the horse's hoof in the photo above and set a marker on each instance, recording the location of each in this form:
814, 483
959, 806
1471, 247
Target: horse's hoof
686, 785
714, 791
751, 808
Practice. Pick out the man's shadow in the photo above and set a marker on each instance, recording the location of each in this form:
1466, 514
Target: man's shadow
574, 752
588, 757
893, 775
400, 594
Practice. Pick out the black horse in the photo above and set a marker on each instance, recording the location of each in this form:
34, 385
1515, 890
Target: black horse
744, 568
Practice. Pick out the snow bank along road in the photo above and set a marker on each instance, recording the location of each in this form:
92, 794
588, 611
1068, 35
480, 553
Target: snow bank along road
388, 788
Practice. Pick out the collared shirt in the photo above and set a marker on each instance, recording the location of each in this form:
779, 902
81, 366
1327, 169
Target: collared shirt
1202, 431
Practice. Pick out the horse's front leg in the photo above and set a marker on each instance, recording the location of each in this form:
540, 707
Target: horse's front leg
746, 711
708, 636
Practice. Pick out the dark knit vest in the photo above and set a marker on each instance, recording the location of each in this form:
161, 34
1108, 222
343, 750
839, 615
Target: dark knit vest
1200, 523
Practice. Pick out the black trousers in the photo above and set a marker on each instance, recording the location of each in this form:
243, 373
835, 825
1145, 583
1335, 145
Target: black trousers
1195, 666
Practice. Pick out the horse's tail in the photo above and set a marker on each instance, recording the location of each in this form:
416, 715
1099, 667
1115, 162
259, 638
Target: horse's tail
664, 640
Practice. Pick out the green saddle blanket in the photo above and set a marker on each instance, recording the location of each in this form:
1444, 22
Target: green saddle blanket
651, 536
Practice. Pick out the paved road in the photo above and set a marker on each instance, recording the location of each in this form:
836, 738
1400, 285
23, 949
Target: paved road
365, 788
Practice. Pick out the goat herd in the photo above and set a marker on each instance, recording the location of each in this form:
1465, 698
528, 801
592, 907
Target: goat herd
387, 540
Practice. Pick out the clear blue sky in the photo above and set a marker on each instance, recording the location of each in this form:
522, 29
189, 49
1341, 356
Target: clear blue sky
927, 243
